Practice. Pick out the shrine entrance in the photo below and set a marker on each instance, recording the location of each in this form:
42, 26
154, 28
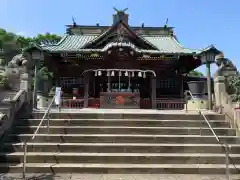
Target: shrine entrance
120, 88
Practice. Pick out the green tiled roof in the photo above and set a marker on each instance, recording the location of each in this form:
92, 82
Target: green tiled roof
75, 43
167, 44
71, 43
211, 48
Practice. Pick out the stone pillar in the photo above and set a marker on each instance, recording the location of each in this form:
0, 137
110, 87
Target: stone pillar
86, 89
209, 86
153, 95
35, 89
220, 91
25, 84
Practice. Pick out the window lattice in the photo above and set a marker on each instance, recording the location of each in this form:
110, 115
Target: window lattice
167, 83
69, 81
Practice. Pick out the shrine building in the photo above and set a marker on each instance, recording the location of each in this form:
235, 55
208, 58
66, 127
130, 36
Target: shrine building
121, 66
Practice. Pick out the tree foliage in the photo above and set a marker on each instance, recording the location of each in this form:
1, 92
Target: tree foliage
10, 41
195, 73
12, 44
46, 38
233, 87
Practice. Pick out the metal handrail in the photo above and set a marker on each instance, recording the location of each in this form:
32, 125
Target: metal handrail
205, 118
225, 145
44, 116
34, 135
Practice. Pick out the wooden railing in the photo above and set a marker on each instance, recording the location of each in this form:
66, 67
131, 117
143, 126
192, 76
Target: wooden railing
162, 104
170, 104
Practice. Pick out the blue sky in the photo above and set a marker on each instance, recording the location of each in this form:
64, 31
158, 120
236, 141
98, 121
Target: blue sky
198, 23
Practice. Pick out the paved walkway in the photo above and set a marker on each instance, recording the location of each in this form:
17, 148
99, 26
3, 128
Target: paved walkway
116, 177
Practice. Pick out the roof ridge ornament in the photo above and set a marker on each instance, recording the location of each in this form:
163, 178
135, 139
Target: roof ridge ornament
166, 23
74, 21
120, 11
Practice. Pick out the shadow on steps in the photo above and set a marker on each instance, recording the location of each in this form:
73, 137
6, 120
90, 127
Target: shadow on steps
5, 138
30, 176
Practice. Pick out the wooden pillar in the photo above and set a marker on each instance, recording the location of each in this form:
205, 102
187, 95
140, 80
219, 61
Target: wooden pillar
209, 86
109, 83
86, 89
182, 87
153, 95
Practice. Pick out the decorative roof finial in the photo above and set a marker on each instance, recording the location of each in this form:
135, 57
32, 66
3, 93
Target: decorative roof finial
74, 22
166, 23
120, 15
120, 11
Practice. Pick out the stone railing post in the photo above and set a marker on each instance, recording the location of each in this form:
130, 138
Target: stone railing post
220, 91
25, 84
236, 120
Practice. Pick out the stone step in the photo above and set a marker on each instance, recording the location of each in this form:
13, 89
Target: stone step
121, 138
120, 147
119, 168
123, 122
124, 129
99, 176
119, 158
107, 114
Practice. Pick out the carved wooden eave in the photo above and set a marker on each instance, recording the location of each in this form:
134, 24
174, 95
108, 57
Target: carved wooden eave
119, 32
160, 57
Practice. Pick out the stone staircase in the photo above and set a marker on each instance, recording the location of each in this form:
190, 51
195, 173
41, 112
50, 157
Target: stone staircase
171, 143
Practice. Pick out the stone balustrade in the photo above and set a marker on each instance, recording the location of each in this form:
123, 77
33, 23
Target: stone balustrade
12, 107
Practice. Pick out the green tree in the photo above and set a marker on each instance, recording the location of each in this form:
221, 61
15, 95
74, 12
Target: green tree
12, 44
9, 45
195, 73
46, 38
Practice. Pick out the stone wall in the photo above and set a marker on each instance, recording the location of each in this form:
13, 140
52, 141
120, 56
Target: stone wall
223, 100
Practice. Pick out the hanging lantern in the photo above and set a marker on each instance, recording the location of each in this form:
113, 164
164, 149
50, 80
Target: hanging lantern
99, 73
126, 73
108, 73
96, 73
112, 74
133, 74
144, 74
120, 73
139, 74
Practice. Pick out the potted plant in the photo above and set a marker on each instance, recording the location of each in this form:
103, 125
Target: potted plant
197, 88
45, 80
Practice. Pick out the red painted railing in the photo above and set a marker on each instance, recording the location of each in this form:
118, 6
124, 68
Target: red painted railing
163, 103
144, 103
170, 104
79, 103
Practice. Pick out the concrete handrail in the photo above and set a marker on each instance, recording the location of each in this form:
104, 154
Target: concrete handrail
14, 105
